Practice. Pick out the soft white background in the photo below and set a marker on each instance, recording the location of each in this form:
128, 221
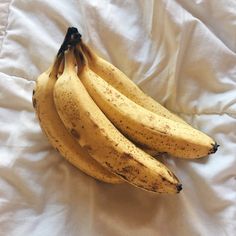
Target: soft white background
183, 53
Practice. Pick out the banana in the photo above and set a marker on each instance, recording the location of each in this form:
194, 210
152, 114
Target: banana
56, 132
143, 126
123, 84
102, 140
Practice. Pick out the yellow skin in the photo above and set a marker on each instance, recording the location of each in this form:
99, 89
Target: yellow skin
56, 132
142, 126
124, 85
104, 142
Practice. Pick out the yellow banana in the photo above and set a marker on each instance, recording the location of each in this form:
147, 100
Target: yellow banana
123, 84
143, 126
104, 142
56, 132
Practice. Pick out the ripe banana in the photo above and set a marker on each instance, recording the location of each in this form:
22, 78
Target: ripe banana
123, 84
143, 126
102, 140
57, 134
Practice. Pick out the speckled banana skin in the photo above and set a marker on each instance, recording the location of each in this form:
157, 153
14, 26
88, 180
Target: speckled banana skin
123, 84
56, 132
103, 141
143, 126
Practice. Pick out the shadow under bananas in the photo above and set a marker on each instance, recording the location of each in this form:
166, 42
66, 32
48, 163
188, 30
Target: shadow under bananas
132, 208
126, 207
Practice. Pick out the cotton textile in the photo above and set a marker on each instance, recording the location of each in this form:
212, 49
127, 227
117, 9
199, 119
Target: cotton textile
182, 53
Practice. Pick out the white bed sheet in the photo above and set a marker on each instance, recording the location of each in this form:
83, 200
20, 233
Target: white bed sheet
183, 53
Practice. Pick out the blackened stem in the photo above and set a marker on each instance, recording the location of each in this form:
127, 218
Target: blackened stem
72, 38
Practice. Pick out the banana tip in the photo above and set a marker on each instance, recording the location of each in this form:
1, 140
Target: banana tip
179, 187
214, 148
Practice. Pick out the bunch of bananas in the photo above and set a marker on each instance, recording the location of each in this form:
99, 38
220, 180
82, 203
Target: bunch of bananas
103, 124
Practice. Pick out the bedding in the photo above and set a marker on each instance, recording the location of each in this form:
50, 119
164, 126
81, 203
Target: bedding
180, 52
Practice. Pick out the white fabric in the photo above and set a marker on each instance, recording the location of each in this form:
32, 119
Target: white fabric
183, 53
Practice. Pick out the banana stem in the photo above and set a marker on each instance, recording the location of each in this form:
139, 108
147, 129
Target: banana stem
72, 38
61, 66
87, 51
55, 68
69, 61
80, 59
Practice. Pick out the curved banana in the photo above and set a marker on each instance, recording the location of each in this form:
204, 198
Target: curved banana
145, 127
123, 84
104, 142
56, 132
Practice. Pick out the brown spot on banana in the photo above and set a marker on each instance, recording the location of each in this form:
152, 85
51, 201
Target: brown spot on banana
127, 169
75, 134
95, 125
126, 156
108, 165
88, 148
167, 127
150, 118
